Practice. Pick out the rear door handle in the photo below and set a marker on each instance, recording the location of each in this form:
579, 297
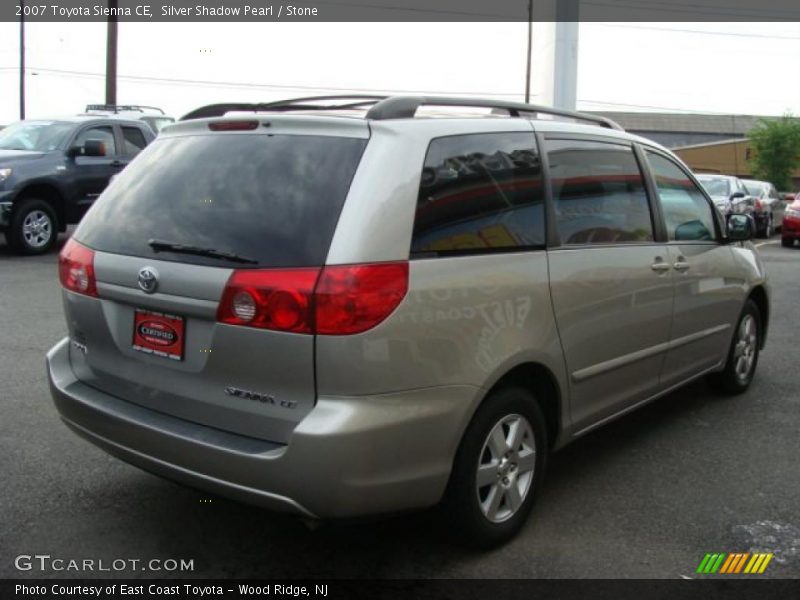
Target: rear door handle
117, 163
660, 266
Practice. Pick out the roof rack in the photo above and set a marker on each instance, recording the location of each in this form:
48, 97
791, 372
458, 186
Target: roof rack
118, 108
308, 103
397, 107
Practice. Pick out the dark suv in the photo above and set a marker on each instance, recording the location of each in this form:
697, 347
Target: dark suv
52, 170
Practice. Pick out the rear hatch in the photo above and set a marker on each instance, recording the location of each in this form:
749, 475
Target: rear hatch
202, 202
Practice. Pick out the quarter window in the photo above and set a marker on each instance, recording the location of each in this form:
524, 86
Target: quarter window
598, 193
480, 193
687, 213
103, 134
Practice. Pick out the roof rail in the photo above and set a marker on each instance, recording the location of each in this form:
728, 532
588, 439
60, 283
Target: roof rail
397, 107
405, 107
117, 108
308, 103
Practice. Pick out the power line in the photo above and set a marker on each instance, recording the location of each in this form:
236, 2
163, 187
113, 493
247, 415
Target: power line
700, 32
653, 107
209, 83
695, 9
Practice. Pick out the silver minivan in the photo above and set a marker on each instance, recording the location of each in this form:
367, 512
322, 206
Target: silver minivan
338, 307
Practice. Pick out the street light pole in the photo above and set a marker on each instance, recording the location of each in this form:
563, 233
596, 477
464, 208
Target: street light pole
528, 64
22, 60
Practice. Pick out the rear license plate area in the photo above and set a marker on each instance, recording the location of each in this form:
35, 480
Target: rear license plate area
159, 334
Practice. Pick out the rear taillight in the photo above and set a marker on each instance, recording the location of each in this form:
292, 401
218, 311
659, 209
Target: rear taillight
354, 298
76, 269
279, 299
335, 300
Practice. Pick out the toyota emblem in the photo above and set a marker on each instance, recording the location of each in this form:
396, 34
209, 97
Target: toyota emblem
148, 279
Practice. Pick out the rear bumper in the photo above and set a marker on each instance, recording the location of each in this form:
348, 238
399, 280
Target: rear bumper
347, 457
791, 227
761, 219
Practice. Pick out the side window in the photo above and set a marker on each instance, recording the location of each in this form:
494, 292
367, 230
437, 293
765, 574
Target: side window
480, 193
598, 193
134, 140
105, 134
687, 213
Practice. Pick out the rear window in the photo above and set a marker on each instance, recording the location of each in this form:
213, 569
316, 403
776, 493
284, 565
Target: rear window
274, 199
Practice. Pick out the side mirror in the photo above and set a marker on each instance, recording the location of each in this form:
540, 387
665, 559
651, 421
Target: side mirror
736, 195
89, 148
94, 148
740, 227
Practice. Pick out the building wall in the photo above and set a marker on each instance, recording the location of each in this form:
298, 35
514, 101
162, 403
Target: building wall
731, 158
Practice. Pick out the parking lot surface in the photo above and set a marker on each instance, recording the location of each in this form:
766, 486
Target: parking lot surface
647, 496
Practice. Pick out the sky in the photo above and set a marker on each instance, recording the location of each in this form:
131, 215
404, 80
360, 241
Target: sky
726, 68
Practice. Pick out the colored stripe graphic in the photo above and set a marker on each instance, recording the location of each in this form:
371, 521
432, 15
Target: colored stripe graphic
711, 563
735, 563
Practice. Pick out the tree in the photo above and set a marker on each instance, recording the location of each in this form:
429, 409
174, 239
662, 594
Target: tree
776, 146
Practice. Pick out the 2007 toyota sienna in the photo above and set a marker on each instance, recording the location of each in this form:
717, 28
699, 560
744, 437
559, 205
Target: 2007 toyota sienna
338, 307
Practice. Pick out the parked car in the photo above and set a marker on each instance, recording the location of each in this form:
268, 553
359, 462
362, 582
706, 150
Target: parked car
52, 170
728, 193
155, 117
791, 225
768, 206
339, 316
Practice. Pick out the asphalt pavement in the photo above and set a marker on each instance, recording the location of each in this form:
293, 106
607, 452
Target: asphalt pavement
647, 496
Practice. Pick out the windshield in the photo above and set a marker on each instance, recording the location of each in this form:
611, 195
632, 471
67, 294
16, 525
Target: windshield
158, 123
274, 199
755, 188
37, 136
716, 186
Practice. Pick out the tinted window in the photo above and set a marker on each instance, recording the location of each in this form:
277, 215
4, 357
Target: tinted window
687, 213
273, 198
102, 134
134, 140
598, 193
480, 193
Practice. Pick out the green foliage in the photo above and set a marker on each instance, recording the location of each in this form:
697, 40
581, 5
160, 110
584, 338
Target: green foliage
777, 150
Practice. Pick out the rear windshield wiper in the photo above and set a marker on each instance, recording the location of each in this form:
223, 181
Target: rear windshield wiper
162, 246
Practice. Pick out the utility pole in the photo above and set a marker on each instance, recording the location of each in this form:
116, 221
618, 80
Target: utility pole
22, 60
530, 42
111, 55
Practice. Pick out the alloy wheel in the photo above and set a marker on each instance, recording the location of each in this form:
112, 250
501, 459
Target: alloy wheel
37, 229
506, 468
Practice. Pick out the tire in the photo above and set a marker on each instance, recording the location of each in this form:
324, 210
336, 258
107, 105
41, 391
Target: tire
787, 242
33, 228
766, 231
743, 353
514, 471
